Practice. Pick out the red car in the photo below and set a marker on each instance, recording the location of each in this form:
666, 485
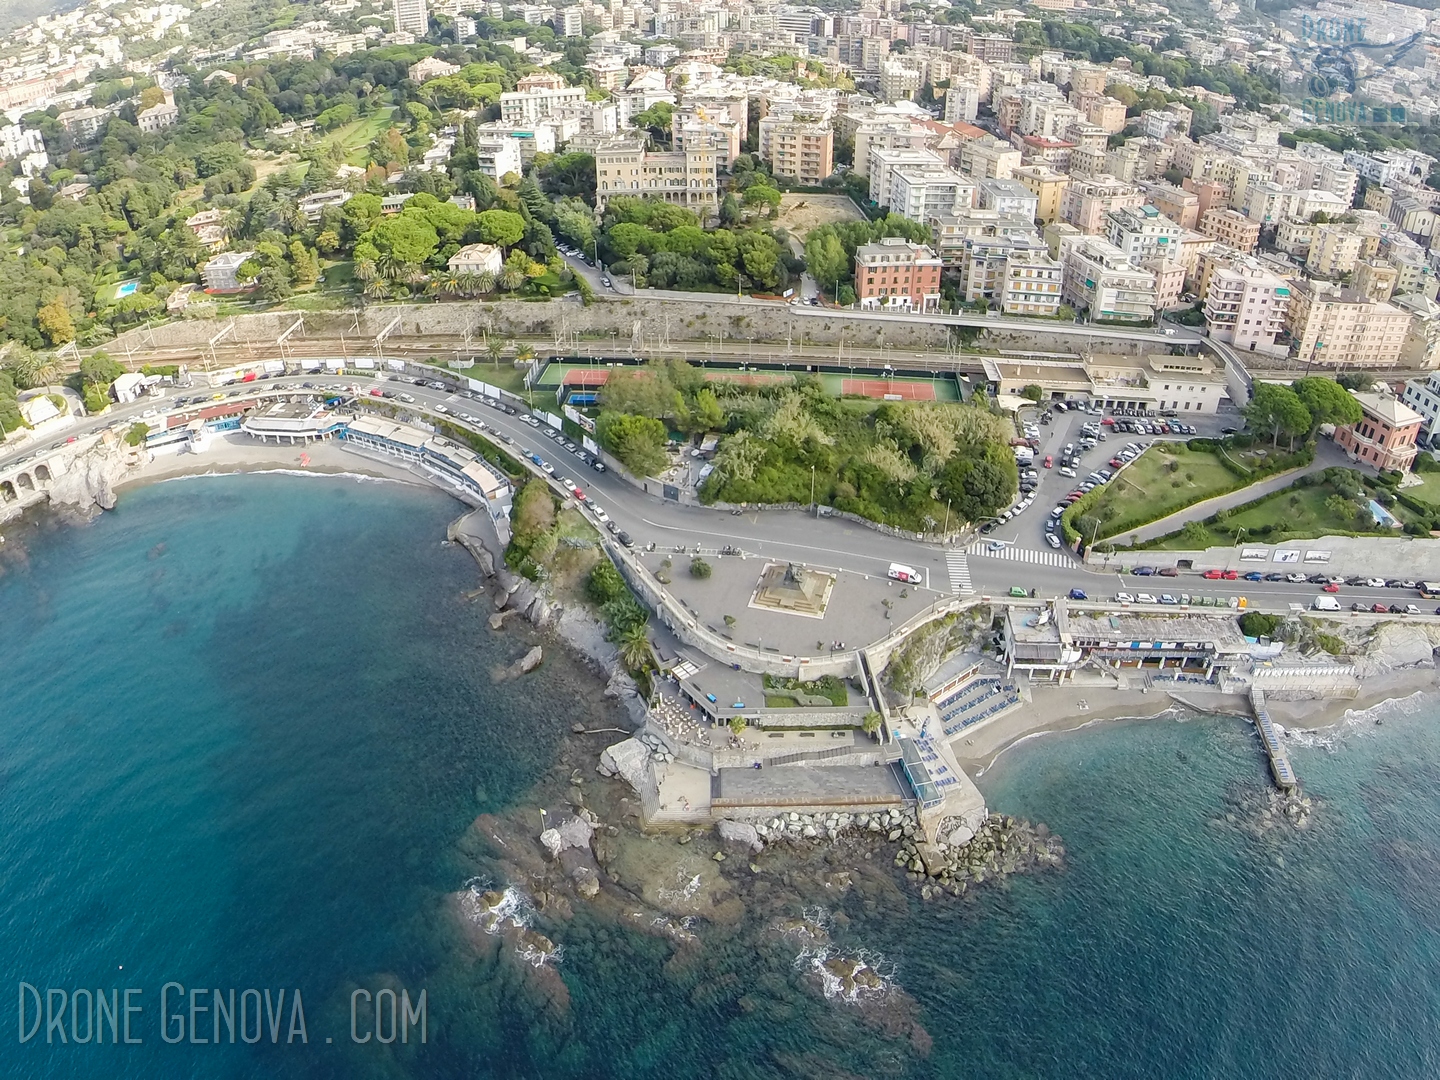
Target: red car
1049, 460
579, 495
1380, 609
1109, 421
375, 393
1232, 575
1213, 575
1116, 463
1332, 587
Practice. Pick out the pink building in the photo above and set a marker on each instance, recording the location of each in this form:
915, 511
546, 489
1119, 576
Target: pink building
1385, 436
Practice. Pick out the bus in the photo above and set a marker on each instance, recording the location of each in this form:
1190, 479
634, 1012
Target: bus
1430, 590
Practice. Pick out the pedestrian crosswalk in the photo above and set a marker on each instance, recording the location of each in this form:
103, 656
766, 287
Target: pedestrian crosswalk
1019, 554
959, 569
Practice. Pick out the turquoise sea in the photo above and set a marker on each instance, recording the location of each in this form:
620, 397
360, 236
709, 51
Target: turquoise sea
248, 724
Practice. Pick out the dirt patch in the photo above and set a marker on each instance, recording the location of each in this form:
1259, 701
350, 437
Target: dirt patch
800, 213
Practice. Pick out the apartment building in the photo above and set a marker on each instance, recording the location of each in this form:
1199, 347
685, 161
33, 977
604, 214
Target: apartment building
887, 134
1033, 282
949, 232
1386, 434
412, 17
801, 149
1047, 185
529, 106
1422, 339
1375, 279
1177, 204
497, 155
1336, 327
1008, 197
1334, 251
987, 158
1085, 202
1142, 232
1231, 228
920, 192
686, 177
983, 262
1245, 305
899, 81
1098, 278
895, 272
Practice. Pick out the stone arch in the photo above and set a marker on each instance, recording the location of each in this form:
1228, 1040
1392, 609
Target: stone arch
7, 491
24, 482
42, 474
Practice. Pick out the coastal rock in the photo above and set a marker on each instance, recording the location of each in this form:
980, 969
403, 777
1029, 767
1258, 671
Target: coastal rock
550, 838
629, 760
531, 660
587, 882
91, 477
575, 833
739, 833
497, 620
540, 614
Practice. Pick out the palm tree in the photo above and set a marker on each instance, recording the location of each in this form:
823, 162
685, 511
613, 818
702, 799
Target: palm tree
448, 283
390, 267
525, 353
485, 282
468, 283
377, 290
511, 279
494, 349
634, 646
366, 271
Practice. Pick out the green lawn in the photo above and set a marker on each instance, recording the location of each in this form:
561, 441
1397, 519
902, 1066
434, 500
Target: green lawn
1293, 513
506, 376
1429, 491
355, 137
1166, 478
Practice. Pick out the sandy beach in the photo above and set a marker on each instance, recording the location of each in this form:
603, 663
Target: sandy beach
239, 453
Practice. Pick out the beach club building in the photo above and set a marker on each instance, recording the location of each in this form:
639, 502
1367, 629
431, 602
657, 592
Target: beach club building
1050, 641
438, 456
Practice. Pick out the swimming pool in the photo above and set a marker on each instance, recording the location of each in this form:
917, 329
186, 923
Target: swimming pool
126, 289
1383, 516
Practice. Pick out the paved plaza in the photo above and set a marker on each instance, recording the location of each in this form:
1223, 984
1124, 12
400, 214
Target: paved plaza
855, 614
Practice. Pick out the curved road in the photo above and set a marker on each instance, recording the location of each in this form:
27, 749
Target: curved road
796, 535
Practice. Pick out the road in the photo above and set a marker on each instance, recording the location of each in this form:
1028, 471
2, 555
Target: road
797, 536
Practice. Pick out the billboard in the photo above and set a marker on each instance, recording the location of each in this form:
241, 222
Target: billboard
1254, 555
1286, 555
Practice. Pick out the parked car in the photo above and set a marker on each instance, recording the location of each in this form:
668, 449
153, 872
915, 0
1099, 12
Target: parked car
1146, 598
1331, 588
1052, 539
1077, 594
1049, 460
1168, 571
1254, 575
1143, 571
1124, 598
1213, 575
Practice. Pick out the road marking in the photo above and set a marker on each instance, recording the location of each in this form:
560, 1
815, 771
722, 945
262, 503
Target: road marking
1019, 554
959, 569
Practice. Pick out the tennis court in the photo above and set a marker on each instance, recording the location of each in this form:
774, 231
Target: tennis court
901, 389
572, 375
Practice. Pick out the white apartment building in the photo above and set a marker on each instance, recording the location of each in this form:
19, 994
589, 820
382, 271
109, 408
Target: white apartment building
949, 232
1033, 284
1142, 232
962, 102
1334, 251
412, 17
883, 163
1098, 278
17, 142
1422, 338
1388, 166
497, 155
1009, 197
531, 106
1245, 305
887, 134
920, 192
984, 262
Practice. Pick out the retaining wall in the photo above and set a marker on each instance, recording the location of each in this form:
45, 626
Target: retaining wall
1345, 556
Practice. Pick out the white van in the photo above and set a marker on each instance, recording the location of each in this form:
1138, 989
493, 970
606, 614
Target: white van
1326, 603
901, 572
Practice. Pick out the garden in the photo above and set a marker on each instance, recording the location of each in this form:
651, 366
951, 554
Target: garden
1335, 502
1171, 476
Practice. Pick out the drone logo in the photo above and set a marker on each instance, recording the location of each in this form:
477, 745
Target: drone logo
1335, 71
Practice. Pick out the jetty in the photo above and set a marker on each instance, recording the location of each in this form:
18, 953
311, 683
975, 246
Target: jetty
1285, 778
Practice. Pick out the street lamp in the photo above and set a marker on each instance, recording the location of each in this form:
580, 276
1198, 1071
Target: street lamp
813, 505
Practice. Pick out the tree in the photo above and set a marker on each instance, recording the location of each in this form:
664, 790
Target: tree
871, 722
1278, 409
494, 349
634, 645
99, 370
1032, 392
699, 568
501, 227
406, 238
1327, 400
638, 441
826, 259
737, 725
55, 322
706, 413
135, 436
730, 210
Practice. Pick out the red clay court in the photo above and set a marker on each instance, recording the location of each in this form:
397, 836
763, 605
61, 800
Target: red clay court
880, 388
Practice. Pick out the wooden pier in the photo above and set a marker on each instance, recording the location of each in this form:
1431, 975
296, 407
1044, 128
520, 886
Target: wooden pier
1285, 778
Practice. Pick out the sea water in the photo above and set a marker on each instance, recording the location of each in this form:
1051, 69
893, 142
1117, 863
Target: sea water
248, 723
